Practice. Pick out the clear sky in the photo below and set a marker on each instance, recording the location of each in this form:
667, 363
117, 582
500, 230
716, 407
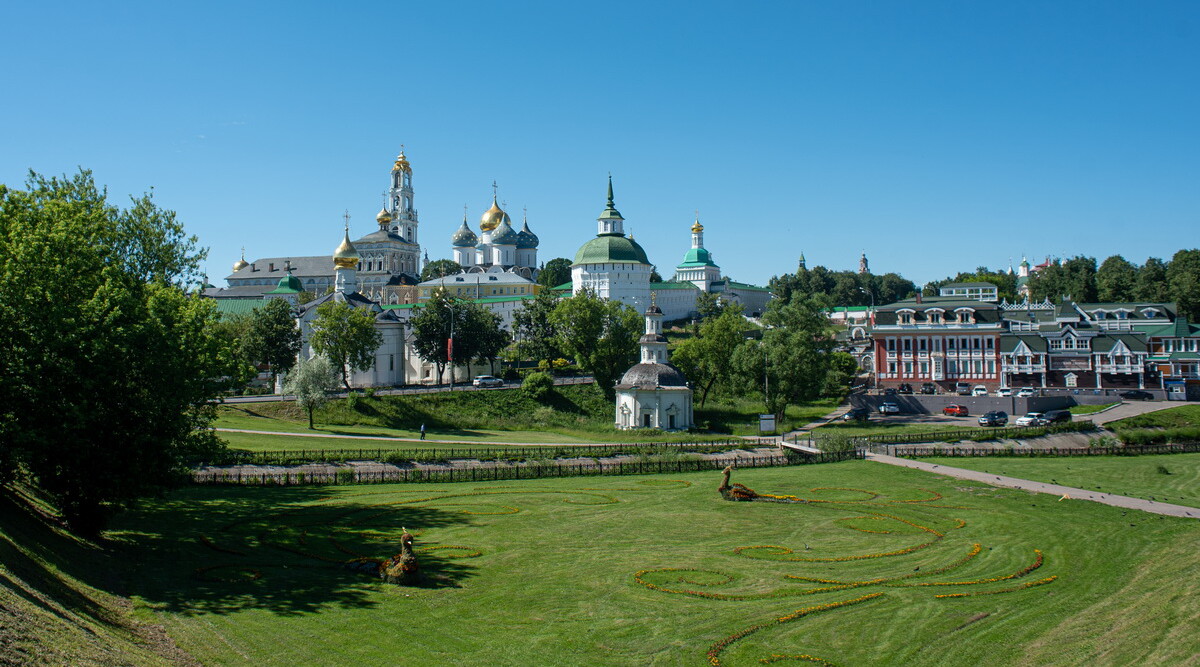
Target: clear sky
934, 136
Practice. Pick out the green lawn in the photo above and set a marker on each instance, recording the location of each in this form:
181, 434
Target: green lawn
658, 570
1180, 417
1089, 409
877, 427
1135, 476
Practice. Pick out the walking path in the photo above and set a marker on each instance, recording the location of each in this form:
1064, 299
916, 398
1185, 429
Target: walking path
1041, 487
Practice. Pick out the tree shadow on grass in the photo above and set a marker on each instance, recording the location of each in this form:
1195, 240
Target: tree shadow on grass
284, 550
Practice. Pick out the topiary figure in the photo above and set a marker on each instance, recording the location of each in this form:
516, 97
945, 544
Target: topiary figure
736, 491
402, 568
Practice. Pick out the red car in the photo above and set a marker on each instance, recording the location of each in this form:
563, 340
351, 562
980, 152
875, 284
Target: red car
955, 410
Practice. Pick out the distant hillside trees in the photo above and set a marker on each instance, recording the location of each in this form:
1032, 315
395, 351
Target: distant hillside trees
555, 272
843, 288
1117, 280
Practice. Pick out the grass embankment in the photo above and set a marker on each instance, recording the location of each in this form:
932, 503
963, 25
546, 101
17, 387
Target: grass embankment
54, 609
1090, 409
572, 414
858, 429
1180, 424
647, 570
1170, 478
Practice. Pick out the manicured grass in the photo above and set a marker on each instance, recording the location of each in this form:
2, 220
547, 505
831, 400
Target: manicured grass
1089, 409
1135, 476
1182, 416
577, 414
597, 571
877, 427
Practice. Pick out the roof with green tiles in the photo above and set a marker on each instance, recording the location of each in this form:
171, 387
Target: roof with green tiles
236, 307
683, 284
1009, 343
696, 257
611, 249
1105, 343
746, 286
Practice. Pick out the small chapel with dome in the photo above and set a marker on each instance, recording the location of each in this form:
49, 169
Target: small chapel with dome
653, 393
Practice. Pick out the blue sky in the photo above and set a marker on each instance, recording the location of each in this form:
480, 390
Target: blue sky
934, 136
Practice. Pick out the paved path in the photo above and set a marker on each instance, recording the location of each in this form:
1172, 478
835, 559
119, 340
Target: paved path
1041, 487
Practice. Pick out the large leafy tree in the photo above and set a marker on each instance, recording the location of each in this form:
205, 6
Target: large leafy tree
1116, 280
311, 383
537, 338
792, 361
1151, 284
600, 334
486, 334
440, 267
704, 358
346, 336
272, 337
440, 317
555, 272
109, 367
1183, 281
1074, 278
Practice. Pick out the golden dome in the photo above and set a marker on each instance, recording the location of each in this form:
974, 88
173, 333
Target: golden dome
383, 216
492, 218
697, 227
241, 263
346, 256
402, 163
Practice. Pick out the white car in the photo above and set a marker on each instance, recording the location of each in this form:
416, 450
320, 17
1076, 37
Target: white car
487, 381
1032, 419
979, 390
1004, 393
1025, 393
889, 408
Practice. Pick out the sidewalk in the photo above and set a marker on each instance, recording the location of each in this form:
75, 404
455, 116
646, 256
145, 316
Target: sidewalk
1041, 487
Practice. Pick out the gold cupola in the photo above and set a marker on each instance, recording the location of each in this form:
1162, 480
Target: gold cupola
402, 163
383, 218
697, 227
492, 218
346, 256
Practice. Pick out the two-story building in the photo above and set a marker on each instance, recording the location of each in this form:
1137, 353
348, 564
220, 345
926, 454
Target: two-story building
943, 340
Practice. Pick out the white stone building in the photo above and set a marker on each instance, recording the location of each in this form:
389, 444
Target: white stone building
613, 265
653, 393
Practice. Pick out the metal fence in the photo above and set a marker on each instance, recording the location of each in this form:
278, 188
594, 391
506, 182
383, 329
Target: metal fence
982, 433
1130, 450
437, 453
503, 472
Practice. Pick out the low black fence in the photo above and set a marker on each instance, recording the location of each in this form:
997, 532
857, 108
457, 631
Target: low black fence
493, 453
1128, 450
253, 477
981, 433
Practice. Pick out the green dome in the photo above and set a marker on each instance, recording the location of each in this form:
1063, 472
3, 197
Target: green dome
611, 249
288, 284
697, 257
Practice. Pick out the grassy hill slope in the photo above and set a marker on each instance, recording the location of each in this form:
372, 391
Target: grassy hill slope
49, 612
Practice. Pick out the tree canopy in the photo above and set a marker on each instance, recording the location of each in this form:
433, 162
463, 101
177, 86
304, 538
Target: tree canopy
600, 334
346, 336
843, 288
311, 383
555, 272
537, 338
704, 358
440, 267
791, 363
272, 337
109, 367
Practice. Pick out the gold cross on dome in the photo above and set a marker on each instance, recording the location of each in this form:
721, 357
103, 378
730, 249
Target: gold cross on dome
346, 217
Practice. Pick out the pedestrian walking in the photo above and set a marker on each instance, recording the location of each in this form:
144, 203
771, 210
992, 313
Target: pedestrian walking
422, 431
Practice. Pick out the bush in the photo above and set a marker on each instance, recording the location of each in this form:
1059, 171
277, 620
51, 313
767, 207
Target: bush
538, 386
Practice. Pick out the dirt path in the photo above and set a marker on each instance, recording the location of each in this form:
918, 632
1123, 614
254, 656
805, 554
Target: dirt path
1041, 487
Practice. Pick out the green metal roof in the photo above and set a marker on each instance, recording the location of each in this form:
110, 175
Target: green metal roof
236, 307
611, 249
1036, 344
696, 257
288, 284
748, 286
676, 285
1185, 356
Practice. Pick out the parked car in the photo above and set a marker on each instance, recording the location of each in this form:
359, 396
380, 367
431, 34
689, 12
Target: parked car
487, 381
994, 418
963, 388
929, 388
956, 410
856, 415
1057, 416
889, 408
1026, 392
905, 388
979, 390
1032, 419
1136, 395
1004, 393
890, 391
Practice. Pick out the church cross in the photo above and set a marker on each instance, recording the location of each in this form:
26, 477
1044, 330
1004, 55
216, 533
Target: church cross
346, 217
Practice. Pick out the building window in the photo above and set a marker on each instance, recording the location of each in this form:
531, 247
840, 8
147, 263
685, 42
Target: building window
908, 345
922, 345
891, 345
891, 368
908, 369
935, 318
